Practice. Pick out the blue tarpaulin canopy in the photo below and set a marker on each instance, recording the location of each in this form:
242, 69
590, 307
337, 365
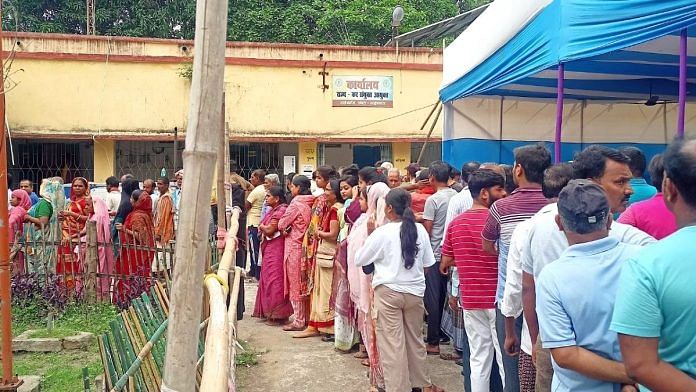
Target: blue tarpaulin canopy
612, 50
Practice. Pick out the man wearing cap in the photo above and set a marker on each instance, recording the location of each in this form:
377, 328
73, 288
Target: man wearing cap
576, 294
608, 168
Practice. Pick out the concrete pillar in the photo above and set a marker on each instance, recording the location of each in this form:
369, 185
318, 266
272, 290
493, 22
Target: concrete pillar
401, 151
104, 160
307, 161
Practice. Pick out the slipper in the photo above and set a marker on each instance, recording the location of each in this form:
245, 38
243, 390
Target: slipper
360, 355
433, 388
328, 338
435, 350
293, 328
365, 362
450, 357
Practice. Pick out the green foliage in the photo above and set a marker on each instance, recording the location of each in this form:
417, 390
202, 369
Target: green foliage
345, 22
61, 371
92, 318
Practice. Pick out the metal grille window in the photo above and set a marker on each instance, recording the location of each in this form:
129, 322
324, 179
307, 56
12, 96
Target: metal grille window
252, 156
433, 152
146, 159
385, 150
38, 159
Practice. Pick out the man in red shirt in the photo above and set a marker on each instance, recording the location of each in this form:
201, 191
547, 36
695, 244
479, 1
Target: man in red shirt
478, 274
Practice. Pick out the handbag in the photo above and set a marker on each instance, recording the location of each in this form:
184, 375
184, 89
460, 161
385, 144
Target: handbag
326, 254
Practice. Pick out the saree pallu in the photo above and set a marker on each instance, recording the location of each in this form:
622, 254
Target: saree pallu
345, 327
271, 300
68, 262
309, 246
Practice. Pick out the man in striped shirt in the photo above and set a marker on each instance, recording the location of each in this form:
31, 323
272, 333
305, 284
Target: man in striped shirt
478, 275
505, 215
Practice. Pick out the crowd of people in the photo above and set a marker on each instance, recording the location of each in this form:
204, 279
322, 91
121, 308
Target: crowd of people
543, 277
569, 276
48, 232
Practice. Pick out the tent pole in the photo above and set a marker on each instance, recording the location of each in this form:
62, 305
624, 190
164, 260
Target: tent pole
682, 83
559, 112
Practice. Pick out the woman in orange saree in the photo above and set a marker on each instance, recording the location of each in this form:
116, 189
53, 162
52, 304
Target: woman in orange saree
73, 220
138, 244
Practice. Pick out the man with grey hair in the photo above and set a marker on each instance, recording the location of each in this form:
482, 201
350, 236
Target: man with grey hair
394, 178
576, 294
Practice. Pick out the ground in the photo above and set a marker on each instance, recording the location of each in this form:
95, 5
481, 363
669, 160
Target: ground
310, 365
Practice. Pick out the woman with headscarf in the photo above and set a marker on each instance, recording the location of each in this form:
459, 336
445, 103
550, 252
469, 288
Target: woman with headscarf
137, 237
374, 184
271, 300
20, 203
293, 225
73, 220
45, 228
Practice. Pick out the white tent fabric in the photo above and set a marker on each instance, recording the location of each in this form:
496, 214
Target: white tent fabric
612, 50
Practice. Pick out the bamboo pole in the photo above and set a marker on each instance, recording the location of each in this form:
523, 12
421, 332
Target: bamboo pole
432, 127
144, 352
215, 368
92, 256
199, 161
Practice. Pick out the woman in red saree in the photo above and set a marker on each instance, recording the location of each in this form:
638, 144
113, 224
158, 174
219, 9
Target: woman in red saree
137, 242
272, 302
73, 220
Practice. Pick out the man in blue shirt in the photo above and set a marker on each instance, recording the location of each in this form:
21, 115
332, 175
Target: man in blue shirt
576, 293
641, 189
27, 186
655, 311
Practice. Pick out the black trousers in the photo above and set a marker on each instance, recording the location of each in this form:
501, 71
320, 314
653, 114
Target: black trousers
434, 300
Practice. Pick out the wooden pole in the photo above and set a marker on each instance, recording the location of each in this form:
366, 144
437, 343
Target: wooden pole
92, 256
432, 127
202, 143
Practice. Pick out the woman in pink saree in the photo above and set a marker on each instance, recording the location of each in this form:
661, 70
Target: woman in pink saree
99, 213
272, 301
293, 225
21, 203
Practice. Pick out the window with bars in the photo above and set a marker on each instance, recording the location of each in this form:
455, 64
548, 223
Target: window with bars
146, 159
38, 159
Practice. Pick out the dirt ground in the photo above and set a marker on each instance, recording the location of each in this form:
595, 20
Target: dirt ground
310, 365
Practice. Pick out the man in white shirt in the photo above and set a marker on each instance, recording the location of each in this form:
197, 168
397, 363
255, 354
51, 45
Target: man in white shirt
555, 179
113, 196
608, 168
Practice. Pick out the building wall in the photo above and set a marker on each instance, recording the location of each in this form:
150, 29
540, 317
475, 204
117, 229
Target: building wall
125, 88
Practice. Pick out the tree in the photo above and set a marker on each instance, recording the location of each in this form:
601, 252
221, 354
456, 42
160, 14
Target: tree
344, 22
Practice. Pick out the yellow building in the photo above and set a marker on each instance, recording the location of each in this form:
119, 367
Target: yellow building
101, 106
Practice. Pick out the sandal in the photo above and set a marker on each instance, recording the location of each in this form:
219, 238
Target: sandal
433, 388
362, 353
365, 362
450, 357
306, 333
435, 350
328, 338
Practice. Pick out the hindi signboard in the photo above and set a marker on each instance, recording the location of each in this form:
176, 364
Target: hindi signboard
363, 91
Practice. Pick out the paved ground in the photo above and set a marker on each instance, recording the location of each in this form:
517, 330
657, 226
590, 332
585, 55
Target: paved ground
311, 365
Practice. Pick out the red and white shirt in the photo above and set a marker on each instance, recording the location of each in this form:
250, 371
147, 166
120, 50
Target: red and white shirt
478, 270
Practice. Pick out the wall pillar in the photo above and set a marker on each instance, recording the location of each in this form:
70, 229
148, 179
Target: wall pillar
307, 161
104, 160
401, 152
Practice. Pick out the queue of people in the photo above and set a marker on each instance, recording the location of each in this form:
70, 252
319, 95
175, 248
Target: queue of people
542, 277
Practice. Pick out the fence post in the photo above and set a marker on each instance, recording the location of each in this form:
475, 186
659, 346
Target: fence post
91, 262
